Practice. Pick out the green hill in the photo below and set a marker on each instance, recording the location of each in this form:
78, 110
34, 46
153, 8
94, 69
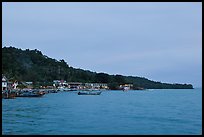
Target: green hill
32, 65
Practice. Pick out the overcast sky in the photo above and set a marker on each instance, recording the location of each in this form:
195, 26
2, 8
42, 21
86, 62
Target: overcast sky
159, 41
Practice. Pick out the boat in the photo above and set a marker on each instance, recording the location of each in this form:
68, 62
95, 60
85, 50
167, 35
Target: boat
126, 88
30, 94
8, 94
89, 92
53, 91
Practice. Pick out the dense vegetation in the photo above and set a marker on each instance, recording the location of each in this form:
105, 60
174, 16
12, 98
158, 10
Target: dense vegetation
32, 65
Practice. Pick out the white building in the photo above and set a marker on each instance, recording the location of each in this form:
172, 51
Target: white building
15, 84
4, 83
60, 83
96, 85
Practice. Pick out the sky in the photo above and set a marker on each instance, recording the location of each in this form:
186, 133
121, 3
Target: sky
158, 41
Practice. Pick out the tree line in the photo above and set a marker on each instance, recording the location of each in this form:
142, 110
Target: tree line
32, 65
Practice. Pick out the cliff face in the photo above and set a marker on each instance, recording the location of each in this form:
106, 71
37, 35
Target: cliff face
32, 65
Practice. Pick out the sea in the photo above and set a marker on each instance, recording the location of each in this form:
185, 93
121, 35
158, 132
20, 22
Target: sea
135, 112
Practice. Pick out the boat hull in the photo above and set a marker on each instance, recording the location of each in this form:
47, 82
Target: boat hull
30, 95
89, 93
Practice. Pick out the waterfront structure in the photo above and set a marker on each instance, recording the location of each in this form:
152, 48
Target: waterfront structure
15, 84
4, 83
96, 85
74, 85
29, 84
126, 86
79, 85
60, 83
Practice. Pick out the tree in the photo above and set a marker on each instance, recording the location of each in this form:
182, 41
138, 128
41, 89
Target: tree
113, 86
119, 79
102, 78
32, 65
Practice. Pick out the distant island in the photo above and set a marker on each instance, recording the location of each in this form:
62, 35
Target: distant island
32, 65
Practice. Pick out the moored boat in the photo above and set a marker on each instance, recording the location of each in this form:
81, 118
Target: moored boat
89, 92
30, 94
8, 94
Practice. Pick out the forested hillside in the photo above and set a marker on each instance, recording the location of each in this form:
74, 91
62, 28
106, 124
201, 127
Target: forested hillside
32, 65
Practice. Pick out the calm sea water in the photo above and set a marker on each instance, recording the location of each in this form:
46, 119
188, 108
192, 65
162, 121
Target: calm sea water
167, 111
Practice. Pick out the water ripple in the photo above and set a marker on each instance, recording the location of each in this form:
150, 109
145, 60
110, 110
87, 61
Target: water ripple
110, 113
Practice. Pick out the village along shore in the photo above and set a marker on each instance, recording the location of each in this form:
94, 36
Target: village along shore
11, 90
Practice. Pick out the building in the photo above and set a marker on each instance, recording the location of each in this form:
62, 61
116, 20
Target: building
60, 83
28, 84
4, 83
126, 86
96, 85
15, 84
74, 85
